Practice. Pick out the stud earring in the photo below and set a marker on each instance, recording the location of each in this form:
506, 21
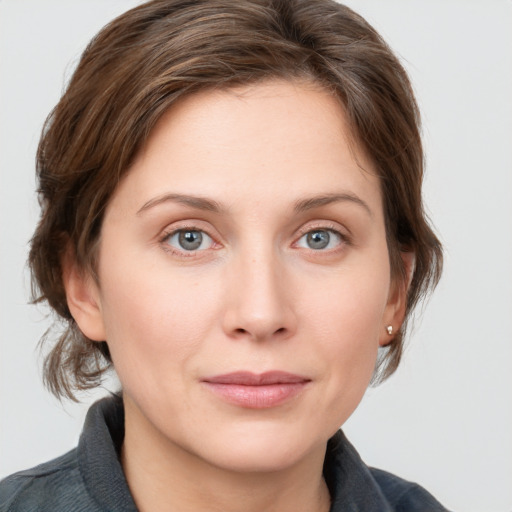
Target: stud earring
389, 328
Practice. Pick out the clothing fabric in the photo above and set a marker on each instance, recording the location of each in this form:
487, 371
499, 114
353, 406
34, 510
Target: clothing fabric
90, 477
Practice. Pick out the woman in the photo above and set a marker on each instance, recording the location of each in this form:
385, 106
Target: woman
232, 219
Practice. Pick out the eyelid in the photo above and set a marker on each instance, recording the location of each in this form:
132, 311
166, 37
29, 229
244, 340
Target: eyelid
324, 225
205, 238
186, 225
343, 234
199, 225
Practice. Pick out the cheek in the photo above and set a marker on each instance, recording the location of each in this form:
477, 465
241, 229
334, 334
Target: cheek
345, 323
350, 306
351, 340
154, 320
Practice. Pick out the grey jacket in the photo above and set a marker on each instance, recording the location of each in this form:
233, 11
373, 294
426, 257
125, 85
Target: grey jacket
90, 478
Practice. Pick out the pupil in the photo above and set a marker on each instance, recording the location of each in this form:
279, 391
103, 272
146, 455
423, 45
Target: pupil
318, 239
190, 240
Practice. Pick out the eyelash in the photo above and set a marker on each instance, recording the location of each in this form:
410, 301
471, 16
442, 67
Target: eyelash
331, 228
183, 253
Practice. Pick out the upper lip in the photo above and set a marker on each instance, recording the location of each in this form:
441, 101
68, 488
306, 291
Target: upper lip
245, 378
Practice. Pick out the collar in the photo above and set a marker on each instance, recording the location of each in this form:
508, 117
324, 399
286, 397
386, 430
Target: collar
99, 450
350, 482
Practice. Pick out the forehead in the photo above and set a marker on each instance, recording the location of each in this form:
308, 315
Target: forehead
265, 139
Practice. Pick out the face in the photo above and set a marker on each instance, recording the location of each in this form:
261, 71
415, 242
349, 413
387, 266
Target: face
244, 279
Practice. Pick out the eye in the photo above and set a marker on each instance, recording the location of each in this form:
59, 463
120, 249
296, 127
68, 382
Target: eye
189, 240
319, 239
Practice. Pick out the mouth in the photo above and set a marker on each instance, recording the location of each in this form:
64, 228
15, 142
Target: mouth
256, 391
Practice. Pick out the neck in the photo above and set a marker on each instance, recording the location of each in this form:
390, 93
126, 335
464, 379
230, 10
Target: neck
163, 476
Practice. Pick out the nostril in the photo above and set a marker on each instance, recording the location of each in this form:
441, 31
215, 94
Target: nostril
243, 331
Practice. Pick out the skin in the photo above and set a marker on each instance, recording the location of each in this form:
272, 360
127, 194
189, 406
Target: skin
255, 296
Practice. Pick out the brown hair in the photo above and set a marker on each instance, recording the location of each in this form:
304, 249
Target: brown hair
151, 56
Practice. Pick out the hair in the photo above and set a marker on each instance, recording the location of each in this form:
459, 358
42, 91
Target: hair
159, 52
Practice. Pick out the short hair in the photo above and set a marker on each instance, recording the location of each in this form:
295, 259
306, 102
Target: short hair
152, 56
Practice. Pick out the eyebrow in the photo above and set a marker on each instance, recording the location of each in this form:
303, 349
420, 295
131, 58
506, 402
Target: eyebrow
302, 205
323, 200
199, 203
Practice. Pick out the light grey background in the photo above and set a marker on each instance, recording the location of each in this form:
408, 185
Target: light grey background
445, 418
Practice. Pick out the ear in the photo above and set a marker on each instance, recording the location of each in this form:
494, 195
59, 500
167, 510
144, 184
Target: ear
83, 298
397, 300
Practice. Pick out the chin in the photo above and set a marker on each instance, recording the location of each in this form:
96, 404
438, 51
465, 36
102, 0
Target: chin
256, 461
262, 450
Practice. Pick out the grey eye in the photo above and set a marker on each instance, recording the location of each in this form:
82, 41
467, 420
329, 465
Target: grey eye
189, 240
318, 239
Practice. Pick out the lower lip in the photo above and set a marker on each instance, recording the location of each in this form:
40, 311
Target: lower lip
257, 397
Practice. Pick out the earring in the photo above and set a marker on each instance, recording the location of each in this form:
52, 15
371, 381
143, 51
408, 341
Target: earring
389, 328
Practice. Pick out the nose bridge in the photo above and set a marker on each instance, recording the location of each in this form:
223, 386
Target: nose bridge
259, 307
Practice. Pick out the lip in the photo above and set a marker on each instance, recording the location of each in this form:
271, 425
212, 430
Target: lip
256, 390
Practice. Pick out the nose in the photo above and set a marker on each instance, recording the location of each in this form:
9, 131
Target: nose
260, 305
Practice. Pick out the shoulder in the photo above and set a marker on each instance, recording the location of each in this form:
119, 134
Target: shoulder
355, 486
55, 485
405, 496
